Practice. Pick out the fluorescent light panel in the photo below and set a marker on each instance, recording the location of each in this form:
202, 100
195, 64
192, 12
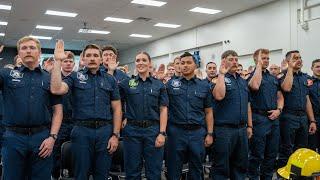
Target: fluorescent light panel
3, 23
56, 28
149, 2
114, 19
60, 13
205, 10
167, 25
5, 7
2, 34
140, 35
41, 37
92, 31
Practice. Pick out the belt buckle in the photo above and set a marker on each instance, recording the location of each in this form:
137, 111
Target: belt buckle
29, 131
144, 124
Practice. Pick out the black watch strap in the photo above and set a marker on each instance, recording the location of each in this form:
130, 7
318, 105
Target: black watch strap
54, 136
117, 135
163, 133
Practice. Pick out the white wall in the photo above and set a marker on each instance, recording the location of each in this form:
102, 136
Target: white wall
273, 26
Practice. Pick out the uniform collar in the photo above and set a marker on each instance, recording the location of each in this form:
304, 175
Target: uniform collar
137, 77
24, 68
86, 71
194, 78
315, 78
230, 75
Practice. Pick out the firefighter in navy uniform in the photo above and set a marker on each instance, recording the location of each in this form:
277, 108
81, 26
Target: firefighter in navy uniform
28, 140
190, 125
95, 135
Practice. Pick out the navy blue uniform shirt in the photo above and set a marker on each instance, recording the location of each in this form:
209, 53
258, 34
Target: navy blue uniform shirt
67, 104
233, 108
314, 91
143, 98
27, 97
266, 97
211, 85
296, 99
188, 100
117, 74
92, 94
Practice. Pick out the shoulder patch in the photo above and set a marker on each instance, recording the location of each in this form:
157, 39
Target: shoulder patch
175, 83
81, 76
16, 74
133, 83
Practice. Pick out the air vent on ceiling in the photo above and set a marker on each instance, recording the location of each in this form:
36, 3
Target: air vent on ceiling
143, 19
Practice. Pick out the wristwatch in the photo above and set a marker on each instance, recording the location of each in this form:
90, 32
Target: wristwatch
54, 136
210, 133
117, 135
163, 133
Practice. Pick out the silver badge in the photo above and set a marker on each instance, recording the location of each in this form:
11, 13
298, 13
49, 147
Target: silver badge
82, 77
16, 74
175, 83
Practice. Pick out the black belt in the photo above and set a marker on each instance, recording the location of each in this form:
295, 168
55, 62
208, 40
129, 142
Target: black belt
142, 123
27, 130
93, 124
261, 112
295, 112
235, 126
188, 127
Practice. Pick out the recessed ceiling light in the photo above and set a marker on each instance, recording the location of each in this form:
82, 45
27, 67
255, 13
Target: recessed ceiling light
114, 19
167, 25
3, 23
149, 2
92, 31
2, 34
41, 37
205, 10
60, 13
5, 7
140, 35
49, 27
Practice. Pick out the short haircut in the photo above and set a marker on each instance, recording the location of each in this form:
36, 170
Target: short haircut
28, 38
111, 48
315, 61
187, 54
174, 60
288, 54
228, 53
263, 51
92, 46
70, 55
240, 65
145, 53
211, 62
170, 65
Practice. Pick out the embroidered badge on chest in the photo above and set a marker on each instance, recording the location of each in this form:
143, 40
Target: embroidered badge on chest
176, 83
228, 81
309, 82
16, 74
133, 83
82, 77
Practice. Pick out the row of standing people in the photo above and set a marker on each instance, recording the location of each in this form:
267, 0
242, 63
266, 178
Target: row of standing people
96, 96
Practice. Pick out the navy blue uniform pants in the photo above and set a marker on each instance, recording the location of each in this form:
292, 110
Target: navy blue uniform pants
185, 146
89, 147
264, 146
20, 157
230, 153
139, 146
294, 135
